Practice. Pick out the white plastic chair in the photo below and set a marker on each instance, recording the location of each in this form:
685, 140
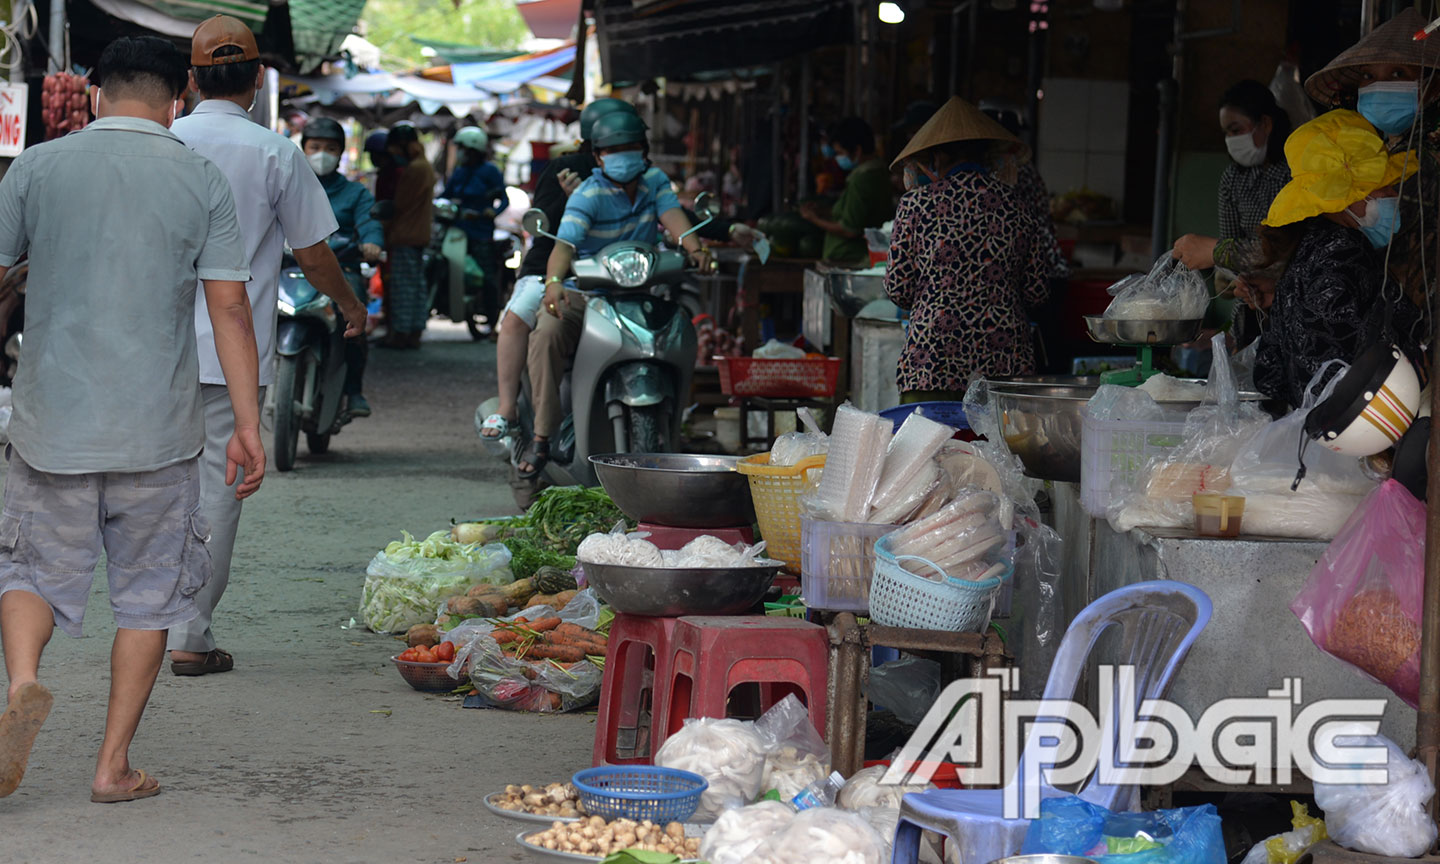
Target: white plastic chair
1160, 621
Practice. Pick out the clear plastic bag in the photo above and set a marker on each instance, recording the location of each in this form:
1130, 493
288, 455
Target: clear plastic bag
1018, 497
795, 754
1363, 598
1169, 292
1071, 826
824, 835
1113, 402
583, 610
909, 469
618, 547
1201, 463
1389, 818
1038, 565
1287, 848
728, 753
907, 687
400, 594
738, 833
526, 685
1268, 468
791, 447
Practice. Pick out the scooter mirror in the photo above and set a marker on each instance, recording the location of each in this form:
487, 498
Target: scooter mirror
535, 221
707, 206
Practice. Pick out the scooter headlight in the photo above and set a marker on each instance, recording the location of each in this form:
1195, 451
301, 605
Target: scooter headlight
630, 268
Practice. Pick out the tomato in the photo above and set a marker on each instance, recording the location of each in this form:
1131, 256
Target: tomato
445, 652
408, 655
424, 655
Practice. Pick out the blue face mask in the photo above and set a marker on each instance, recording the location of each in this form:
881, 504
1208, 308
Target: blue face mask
827, 151
624, 167
1381, 221
845, 162
1390, 105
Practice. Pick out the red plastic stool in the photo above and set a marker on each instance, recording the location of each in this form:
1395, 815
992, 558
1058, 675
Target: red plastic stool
715, 654
638, 661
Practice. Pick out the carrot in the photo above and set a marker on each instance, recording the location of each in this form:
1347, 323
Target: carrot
503, 636
545, 624
564, 653
582, 633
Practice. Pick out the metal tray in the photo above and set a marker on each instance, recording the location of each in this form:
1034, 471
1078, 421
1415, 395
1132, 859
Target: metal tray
1117, 331
540, 851
521, 816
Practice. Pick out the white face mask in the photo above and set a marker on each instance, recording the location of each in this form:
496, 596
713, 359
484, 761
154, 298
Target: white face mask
323, 163
1243, 150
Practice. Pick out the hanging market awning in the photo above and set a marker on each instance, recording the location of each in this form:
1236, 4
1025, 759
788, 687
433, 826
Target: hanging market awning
454, 52
688, 36
252, 12
550, 19
319, 26
506, 76
382, 89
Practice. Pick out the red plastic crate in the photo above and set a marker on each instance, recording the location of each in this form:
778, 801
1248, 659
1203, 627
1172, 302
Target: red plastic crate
809, 377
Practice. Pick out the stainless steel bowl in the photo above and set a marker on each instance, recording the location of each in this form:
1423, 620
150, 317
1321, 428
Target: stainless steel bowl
667, 593
677, 489
1040, 420
1044, 859
1117, 331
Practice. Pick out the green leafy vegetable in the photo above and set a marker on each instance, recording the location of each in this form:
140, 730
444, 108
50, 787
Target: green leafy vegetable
526, 557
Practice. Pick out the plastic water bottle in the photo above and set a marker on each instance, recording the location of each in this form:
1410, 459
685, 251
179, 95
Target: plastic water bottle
821, 793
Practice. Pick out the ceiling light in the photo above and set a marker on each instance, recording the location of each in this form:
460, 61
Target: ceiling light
891, 13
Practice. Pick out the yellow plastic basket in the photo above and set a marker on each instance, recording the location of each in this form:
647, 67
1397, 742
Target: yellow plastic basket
776, 492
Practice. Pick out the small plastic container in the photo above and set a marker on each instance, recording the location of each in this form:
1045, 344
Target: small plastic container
1218, 515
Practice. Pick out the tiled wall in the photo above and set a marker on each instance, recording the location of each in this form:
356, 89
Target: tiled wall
1082, 132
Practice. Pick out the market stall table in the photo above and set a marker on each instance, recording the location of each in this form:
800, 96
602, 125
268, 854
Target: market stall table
1254, 642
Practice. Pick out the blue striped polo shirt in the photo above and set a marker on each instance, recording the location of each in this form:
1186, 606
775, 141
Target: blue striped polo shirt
600, 213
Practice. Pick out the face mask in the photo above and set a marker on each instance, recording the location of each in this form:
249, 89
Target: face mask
1243, 150
827, 151
624, 167
1390, 105
845, 162
323, 163
918, 175
1380, 222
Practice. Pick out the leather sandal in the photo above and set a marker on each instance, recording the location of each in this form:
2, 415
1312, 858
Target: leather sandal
215, 661
537, 456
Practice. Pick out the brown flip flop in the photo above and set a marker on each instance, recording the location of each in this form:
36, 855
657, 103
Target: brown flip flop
19, 725
138, 791
215, 661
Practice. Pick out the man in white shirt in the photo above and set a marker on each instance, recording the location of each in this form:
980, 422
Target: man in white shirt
277, 199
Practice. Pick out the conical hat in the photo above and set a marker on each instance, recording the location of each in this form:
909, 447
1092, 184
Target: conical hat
957, 120
1391, 42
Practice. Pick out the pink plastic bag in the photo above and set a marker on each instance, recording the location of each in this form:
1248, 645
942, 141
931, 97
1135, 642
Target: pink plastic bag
1362, 601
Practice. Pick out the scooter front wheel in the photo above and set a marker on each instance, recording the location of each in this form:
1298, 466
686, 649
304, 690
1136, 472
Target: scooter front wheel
287, 424
317, 443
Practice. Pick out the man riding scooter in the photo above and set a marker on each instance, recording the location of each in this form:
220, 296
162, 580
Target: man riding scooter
479, 188
323, 142
621, 200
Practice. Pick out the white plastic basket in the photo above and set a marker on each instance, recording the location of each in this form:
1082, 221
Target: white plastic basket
1112, 453
899, 598
837, 563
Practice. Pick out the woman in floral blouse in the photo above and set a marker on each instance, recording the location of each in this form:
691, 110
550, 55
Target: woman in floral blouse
968, 257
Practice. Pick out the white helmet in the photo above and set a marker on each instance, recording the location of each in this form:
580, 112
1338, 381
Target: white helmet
473, 137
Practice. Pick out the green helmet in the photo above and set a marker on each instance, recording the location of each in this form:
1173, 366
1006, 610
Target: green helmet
473, 137
617, 129
325, 128
599, 108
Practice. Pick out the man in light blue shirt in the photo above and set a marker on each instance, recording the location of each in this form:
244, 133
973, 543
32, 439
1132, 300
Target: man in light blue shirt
623, 199
120, 220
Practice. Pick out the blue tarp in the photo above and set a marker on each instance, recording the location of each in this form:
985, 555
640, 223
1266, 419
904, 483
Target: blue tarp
506, 75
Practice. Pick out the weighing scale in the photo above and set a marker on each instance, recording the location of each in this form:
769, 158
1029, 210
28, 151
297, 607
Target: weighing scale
1144, 336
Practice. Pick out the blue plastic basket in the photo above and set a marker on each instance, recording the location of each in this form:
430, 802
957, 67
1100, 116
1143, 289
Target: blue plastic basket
950, 413
640, 792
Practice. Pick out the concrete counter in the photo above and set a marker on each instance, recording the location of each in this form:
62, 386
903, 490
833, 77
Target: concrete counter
1253, 640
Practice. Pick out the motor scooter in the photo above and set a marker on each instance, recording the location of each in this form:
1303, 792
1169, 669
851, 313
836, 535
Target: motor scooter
629, 381
457, 283
310, 371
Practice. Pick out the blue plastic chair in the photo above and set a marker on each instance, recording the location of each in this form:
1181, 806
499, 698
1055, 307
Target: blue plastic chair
1160, 621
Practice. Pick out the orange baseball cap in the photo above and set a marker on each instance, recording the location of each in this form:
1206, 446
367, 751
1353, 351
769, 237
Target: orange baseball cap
220, 32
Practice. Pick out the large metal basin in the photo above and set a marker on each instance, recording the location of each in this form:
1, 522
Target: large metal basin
1040, 419
668, 593
677, 489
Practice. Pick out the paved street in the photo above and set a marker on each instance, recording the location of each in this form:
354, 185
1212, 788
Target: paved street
313, 749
